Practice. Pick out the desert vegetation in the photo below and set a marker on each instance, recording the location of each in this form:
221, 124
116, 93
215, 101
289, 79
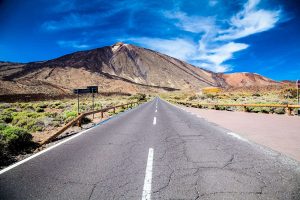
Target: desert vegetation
265, 95
22, 122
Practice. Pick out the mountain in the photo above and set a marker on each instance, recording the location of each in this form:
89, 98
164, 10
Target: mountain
245, 79
118, 68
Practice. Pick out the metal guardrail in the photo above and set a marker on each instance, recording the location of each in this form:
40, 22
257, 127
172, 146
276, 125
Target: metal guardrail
79, 118
287, 107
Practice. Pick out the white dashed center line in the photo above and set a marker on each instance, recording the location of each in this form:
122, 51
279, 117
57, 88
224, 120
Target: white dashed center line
154, 121
148, 176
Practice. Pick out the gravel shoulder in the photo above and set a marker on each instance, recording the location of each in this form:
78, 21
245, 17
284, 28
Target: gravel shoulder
278, 132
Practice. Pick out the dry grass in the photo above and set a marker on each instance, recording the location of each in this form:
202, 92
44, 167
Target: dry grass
264, 95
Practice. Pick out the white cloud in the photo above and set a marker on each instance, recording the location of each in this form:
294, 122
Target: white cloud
195, 24
250, 21
178, 48
216, 44
220, 54
72, 44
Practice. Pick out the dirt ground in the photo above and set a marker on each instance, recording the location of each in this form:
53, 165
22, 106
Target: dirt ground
278, 132
41, 136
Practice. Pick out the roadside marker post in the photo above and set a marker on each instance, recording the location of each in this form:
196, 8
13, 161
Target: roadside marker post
298, 99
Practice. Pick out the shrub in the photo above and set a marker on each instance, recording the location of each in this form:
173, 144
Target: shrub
42, 105
289, 93
29, 121
38, 109
260, 109
194, 97
6, 117
62, 106
3, 151
16, 139
139, 97
69, 115
279, 111
211, 90
220, 107
85, 120
211, 96
253, 109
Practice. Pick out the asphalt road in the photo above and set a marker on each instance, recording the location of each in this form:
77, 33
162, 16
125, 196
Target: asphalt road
163, 154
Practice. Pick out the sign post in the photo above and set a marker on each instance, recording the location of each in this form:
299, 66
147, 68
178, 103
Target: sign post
89, 89
93, 90
77, 103
298, 99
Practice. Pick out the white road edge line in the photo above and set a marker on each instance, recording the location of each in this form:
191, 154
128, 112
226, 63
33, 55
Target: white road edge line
45, 150
41, 152
237, 136
148, 176
154, 120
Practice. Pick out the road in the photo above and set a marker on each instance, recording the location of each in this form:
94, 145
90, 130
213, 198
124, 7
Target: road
278, 132
155, 151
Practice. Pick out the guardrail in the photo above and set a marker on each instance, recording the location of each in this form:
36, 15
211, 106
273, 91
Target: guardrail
79, 118
288, 107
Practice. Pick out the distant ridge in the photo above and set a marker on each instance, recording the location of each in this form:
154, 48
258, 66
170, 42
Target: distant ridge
117, 68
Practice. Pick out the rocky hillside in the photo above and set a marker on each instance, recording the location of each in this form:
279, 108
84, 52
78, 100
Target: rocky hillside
117, 68
245, 79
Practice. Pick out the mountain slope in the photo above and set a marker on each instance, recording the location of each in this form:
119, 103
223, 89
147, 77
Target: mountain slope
245, 79
120, 67
117, 68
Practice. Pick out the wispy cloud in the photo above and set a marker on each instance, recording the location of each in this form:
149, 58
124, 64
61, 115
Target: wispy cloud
250, 20
217, 37
195, 24
71, 21
178, 48
77, 14
73, 44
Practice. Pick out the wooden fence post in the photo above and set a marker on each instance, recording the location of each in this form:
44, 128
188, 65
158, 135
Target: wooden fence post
288, 111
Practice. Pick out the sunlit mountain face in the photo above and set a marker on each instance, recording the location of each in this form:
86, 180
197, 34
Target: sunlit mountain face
258, 36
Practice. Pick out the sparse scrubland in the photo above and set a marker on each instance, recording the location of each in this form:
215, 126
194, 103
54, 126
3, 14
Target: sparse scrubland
264, 95
20, 122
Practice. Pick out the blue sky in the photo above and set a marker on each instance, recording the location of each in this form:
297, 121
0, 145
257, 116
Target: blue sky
261, 36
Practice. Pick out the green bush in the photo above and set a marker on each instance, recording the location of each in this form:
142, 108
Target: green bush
69, 115
279, 111
3, 151
6, 117
194, 97
38, 109
85, 120
220, 107
139, 97
16, 139
42, 105
29, 121
260, 109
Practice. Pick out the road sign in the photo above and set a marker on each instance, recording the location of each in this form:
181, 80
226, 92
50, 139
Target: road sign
89, 89
81, 91
93, 89
298, 84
